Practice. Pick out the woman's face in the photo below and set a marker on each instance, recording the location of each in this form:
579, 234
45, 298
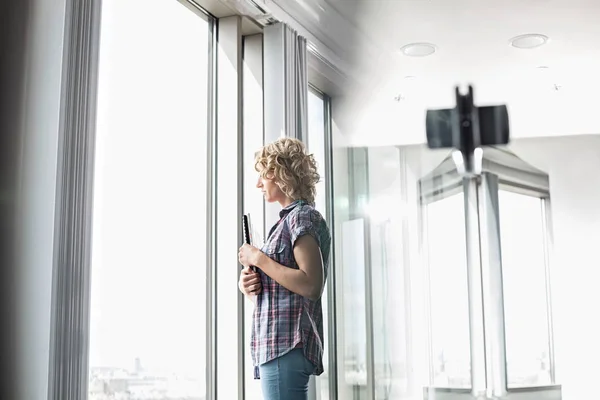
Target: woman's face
269, 189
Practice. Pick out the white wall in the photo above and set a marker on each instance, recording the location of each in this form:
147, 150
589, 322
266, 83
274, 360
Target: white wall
365, 122
37, 194
394, 124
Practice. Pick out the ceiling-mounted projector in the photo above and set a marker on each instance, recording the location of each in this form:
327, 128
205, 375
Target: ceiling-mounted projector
467, 128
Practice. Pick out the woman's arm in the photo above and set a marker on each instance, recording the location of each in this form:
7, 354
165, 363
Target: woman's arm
307, 281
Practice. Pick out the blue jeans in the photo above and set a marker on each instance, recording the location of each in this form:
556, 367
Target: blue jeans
286, 377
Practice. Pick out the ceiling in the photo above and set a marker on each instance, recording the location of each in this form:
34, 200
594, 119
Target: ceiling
472, 38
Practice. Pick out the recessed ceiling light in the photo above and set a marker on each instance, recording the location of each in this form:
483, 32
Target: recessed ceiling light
529, 41
418, 49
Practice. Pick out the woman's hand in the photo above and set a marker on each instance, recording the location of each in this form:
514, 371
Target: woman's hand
249, 283
249, 255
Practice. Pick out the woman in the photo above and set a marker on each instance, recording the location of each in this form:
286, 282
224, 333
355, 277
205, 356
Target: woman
287, 333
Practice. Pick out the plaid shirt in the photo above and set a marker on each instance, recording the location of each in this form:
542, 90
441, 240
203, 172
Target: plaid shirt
284, 320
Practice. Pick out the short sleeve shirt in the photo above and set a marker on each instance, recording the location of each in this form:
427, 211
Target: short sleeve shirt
284, 320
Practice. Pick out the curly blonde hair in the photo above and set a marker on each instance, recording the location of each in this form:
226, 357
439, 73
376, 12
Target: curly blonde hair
286, 162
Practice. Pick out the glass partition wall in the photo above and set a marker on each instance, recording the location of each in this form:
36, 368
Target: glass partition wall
477, 288
484, 338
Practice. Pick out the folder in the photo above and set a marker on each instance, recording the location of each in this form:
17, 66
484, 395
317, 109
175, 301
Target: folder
247, 229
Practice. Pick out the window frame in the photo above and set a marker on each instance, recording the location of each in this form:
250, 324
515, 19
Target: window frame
331, 339
71, 285
546, 219
211, 201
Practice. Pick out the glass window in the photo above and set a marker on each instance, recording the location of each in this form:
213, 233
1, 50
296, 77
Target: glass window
148, 315
389, 292
524, 256
354, 374
351, 283
448, 293
316, 146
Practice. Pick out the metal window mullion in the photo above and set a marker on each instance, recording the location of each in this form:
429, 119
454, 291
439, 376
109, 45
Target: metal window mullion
369, 290
240, 211
228, 208
548, 239
369, 313
331, 275
211, 212
476, 311
426, 250
253, 139
493, 293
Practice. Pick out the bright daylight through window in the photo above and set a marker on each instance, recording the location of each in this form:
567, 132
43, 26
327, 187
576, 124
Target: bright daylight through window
148, 318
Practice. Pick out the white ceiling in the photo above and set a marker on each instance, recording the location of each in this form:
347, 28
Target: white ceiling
472, 37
